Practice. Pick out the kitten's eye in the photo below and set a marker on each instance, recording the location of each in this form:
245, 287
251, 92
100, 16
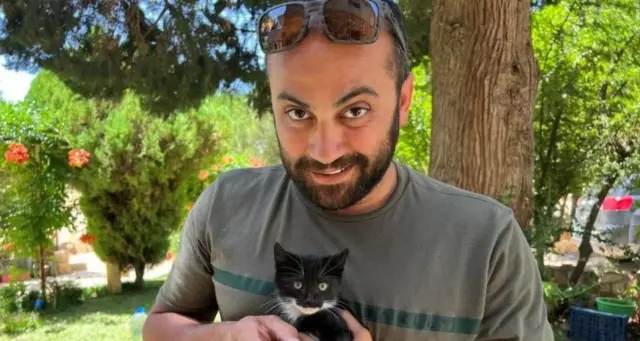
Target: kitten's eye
323, 286
297, 285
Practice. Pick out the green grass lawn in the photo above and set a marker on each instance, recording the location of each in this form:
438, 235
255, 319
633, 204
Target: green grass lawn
99, 319
96, 319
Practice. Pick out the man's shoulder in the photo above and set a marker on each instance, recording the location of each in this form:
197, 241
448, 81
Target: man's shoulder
244, 185
457, 204
247, 178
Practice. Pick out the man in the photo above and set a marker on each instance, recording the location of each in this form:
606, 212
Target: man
427, 261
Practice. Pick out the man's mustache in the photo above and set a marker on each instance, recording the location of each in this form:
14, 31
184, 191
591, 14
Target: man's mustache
306, 163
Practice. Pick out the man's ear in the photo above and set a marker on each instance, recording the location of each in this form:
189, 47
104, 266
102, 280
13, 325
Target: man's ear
405, 99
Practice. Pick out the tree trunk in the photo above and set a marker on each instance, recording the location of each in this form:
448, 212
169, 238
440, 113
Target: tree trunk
574, 211
139, 268
114, 284
43, 274
485, 80
585, 248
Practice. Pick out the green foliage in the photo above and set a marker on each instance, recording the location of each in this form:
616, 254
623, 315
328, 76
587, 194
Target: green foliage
134, 193
18, 323
67, 294
16, 298
240, 130
417, 15
413, 144
142, 171
34, 195
587, 126
171, 54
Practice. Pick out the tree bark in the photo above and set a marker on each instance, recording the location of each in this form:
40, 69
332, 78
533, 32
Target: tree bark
139, 268
43, 274
485, 81
585, 248
114, 284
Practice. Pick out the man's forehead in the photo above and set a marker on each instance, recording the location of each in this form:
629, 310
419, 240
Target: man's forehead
317, 50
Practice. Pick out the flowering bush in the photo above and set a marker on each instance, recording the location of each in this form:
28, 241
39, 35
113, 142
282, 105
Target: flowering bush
79, 158
16, 153
88, 239
224, 163
37, 164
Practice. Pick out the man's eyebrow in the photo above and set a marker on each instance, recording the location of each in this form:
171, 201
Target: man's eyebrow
288, 97
361, 90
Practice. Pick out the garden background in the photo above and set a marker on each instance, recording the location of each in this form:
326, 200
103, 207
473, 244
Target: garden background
136, 106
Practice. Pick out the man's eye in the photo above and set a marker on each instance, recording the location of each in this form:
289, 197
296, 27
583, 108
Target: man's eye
297, 114
356, 112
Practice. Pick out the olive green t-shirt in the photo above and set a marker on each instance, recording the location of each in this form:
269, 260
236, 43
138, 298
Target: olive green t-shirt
434, 263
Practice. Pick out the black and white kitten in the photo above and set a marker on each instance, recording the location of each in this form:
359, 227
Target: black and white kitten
308, 293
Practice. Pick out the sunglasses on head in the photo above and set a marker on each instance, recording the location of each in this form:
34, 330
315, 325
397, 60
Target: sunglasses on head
343, 21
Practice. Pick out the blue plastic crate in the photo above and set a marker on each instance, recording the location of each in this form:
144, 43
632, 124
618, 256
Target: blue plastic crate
593, 325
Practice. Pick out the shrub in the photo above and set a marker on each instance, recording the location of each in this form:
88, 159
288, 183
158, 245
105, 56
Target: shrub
15, 297
17, 323
39, 163
94, 292
66, 294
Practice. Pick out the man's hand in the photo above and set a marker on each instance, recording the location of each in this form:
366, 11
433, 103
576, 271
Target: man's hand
359, 332
261, 328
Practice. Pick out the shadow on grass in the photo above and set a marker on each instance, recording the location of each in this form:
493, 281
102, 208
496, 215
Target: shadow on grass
101, 308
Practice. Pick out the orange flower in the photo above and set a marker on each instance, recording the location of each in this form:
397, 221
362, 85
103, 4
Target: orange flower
227, 159
16, 153
79, 157
169, 255
7, 246
88, 239
203, 175
190, 206
216, 168
255, 162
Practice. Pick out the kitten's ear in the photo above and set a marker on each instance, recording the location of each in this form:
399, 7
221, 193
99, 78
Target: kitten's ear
279, 253
338, 261
341, 258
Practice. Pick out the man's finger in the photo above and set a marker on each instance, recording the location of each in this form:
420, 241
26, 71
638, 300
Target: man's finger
279, 329
353, 324
305, 337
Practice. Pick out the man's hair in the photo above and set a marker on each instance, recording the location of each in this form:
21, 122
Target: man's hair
400, 64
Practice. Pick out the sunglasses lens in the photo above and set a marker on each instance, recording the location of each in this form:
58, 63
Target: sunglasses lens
351, 20
281, 26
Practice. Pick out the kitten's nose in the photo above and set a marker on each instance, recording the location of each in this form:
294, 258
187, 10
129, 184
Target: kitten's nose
312, 302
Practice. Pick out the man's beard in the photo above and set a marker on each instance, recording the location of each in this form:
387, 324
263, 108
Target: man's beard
368, 173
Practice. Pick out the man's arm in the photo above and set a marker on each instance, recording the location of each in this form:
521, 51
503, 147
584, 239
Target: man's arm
186, 304
514, 307
187, 298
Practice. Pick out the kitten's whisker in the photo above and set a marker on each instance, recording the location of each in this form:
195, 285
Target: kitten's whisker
299, 261
333, 267
276, 308
268, 305
334, 277
297, 272
325, 265
333, 313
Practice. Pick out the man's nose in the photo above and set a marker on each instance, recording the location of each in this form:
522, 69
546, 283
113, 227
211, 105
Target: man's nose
327, 142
